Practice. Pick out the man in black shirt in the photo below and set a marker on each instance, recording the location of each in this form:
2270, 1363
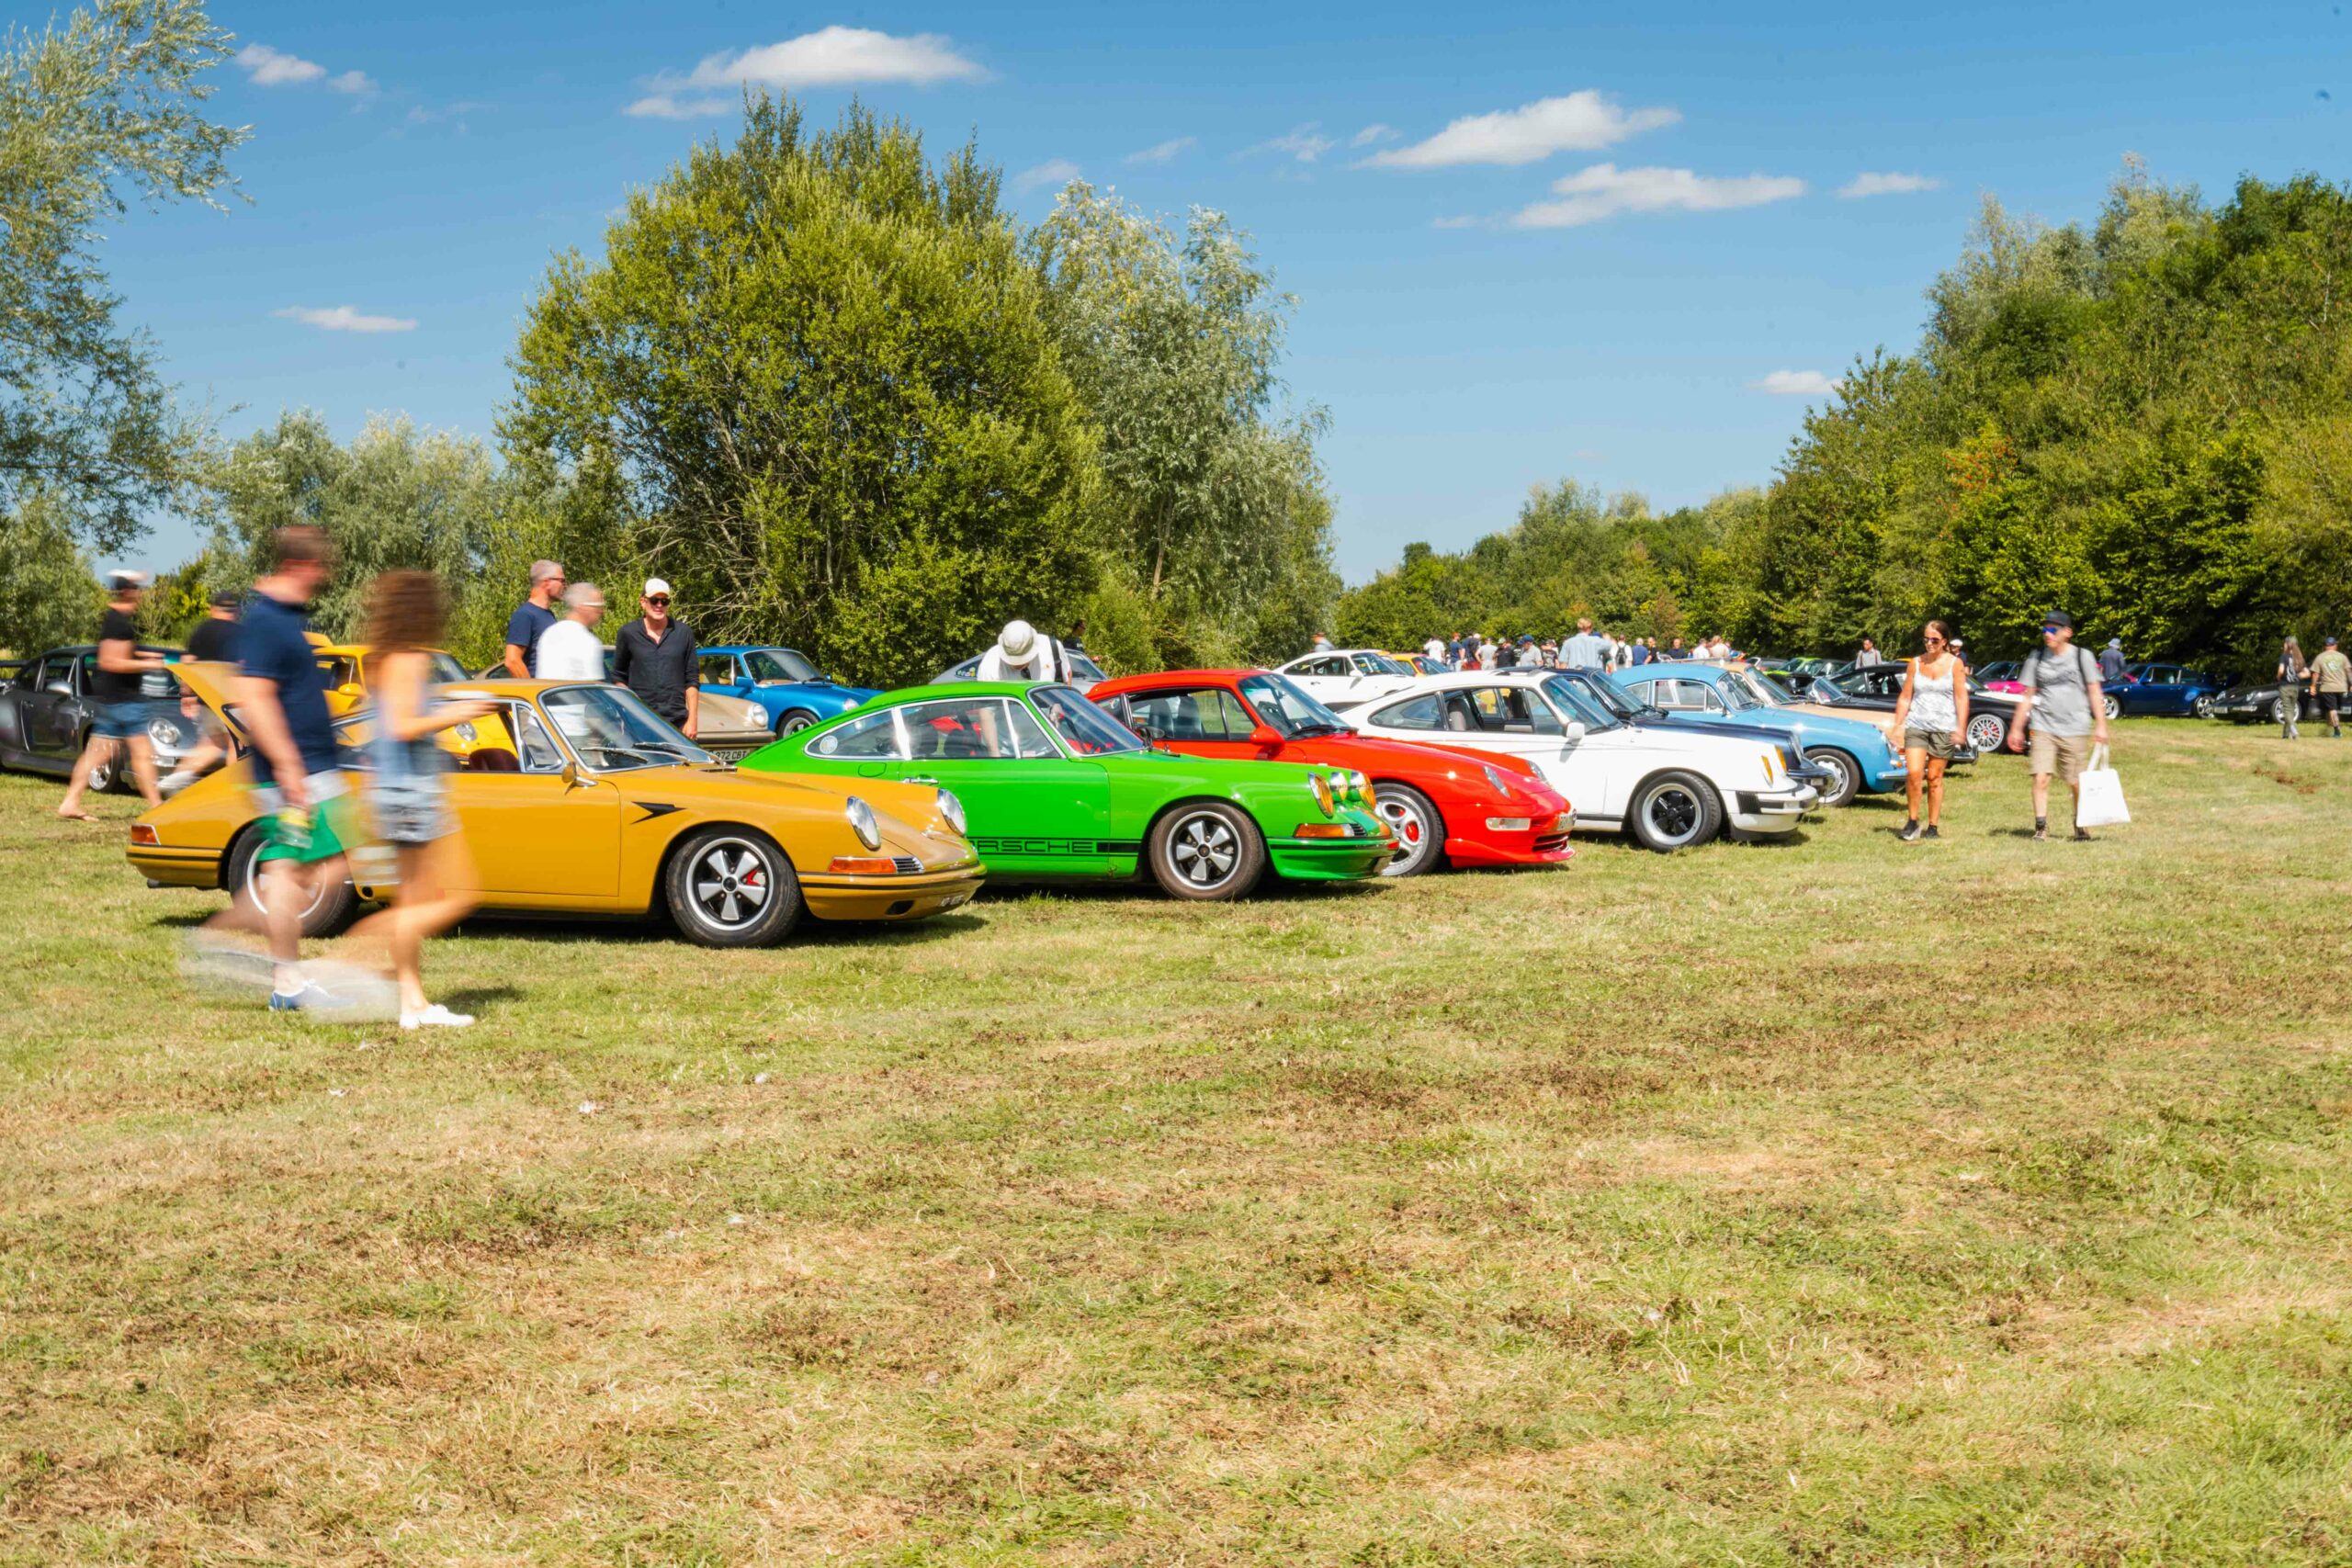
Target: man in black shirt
112, 681
214, 642
654, 657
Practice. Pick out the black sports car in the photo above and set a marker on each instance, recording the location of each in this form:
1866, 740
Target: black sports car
1877, 688
2261, 702
46, 711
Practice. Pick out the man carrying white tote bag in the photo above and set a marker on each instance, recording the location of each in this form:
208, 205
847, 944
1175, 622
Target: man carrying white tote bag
2098, 798
2069, 716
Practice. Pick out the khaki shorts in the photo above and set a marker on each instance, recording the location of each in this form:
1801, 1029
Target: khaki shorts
1936, 743
2065, 755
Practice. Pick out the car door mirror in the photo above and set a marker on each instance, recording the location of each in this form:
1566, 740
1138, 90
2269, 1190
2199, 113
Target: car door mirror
1265, 735
58, 689
571, 773
1572, 733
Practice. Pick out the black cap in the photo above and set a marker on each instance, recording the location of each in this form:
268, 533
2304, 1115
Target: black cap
2059, 618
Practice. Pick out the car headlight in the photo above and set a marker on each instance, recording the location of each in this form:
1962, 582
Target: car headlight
467, 732
1358, 782
1497, 777
162, 732
1321, 789
863, 823
1342, 791
951, 811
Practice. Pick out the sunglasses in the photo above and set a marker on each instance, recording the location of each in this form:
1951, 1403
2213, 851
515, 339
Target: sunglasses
660, 598
1934, 638
2052, 631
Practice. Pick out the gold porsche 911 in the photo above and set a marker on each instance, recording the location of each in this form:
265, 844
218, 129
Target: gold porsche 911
595, 806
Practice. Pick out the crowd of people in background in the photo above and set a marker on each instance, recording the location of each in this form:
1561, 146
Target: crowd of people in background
1586, 648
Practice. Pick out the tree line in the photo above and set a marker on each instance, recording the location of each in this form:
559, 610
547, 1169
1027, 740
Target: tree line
830, 387
2144, 422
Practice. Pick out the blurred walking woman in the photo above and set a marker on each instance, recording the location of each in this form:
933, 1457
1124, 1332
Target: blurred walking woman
1930, 718
2293, 675
407, 613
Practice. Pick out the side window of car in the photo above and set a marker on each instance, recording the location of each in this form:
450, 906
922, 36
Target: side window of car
961, 730
1337, 667
1424, 712
1510, 710
1204, 713
1681, 696
715, 670
1029, 736
1365, 666
868, 734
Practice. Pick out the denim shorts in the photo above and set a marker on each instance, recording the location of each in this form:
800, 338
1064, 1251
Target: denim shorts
120, 721
412, 810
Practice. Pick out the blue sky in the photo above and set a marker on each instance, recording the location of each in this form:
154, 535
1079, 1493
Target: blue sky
1529, 242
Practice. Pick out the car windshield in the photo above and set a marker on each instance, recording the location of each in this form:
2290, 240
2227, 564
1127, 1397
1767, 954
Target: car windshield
1283, 706
1086, 729
1569, 698
1085, 669
1381, 664
613, 732
1602, 693
778, 666
442, 668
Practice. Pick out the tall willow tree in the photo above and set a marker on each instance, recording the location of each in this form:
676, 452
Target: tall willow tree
820, 370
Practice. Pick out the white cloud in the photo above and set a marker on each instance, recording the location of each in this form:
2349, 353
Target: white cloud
1581, 123
829, 57
1605, 190
1886, 185
1162, 152
1307, 143
1458, 222
355, 82
1054, 172
664, 106
345, 318
1796, 384
1372, 133
268, 67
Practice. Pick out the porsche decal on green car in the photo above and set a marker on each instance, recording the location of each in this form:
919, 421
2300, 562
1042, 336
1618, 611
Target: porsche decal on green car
1052, 788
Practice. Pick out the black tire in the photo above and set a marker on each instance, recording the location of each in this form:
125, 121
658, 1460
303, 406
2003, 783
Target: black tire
332, 907
2113, 704
1988, 732
731, 888
1845, 774
1419, 826
792, 721
1674, 811
1206, 851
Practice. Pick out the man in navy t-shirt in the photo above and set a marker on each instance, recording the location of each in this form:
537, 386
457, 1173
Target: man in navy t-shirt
531, 619
281, 698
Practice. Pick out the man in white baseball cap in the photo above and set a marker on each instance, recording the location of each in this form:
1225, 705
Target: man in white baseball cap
655, 656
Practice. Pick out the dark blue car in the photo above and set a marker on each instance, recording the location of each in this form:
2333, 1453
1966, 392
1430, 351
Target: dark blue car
789, 689
2167, 691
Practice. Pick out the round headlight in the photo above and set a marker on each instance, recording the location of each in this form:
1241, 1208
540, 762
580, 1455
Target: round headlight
950, 810
467, 732
1362, 786
863, 823
1321, 787
1497, 777
163, 732
1339, 788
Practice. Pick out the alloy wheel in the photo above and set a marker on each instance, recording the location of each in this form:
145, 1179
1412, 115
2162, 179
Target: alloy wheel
731, 880
1416, 839
1205, 850
1673, 813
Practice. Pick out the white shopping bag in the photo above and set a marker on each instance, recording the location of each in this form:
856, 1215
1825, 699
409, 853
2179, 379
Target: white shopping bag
2101, 805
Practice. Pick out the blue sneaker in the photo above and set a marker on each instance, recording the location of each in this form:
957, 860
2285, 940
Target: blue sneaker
311, 998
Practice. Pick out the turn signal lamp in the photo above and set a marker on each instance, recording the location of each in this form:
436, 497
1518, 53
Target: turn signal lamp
863, 865
143, 834
1325, 830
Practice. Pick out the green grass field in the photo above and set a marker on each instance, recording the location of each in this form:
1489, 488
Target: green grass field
1836, 1202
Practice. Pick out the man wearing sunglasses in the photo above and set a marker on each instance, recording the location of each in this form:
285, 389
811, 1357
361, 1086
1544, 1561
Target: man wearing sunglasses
2069, 713
654, 657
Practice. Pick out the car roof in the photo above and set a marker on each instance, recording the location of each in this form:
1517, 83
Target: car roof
1118, 683
747, 648
941, 691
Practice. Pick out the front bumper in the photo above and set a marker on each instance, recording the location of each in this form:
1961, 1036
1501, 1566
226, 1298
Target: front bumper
1497, 847
1330, 860
1772, 811
912, 897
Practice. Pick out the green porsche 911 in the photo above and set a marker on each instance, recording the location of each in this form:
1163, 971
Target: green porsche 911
1052, 788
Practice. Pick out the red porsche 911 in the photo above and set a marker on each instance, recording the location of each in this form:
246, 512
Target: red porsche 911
1444, 804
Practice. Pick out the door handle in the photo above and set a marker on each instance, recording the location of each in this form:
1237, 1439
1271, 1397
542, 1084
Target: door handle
920, 778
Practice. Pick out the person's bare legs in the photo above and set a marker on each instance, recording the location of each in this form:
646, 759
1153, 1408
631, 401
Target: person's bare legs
71, 807
1915, 764
1935, 792
142, 769
2041, 796
437, 891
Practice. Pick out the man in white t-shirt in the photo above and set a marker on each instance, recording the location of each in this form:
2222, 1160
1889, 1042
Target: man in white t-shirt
1024, 653
568, 649
1435, 648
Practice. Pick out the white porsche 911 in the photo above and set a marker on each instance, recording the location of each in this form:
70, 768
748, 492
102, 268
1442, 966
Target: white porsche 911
1668, 788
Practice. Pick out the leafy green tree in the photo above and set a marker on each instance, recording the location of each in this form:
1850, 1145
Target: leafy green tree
820, 372
1215, 509
93, 114
48, 594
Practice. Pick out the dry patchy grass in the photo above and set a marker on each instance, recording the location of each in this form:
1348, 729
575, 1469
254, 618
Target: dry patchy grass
1829, 1202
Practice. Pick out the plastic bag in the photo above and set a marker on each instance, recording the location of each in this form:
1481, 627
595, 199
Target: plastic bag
2101, 803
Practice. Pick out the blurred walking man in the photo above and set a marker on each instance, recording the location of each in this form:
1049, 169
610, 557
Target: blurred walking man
214, 642
2331, 682
115, 686
568, 649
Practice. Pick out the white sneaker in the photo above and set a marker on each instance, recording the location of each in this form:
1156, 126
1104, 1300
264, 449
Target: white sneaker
172, 783
435, 1016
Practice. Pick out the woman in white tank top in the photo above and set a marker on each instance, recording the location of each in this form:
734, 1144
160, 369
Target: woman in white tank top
1931, 717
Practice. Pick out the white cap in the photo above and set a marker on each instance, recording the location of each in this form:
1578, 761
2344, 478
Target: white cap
655, 585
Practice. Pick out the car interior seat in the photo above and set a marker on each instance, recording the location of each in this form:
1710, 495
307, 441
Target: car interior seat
493, 760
